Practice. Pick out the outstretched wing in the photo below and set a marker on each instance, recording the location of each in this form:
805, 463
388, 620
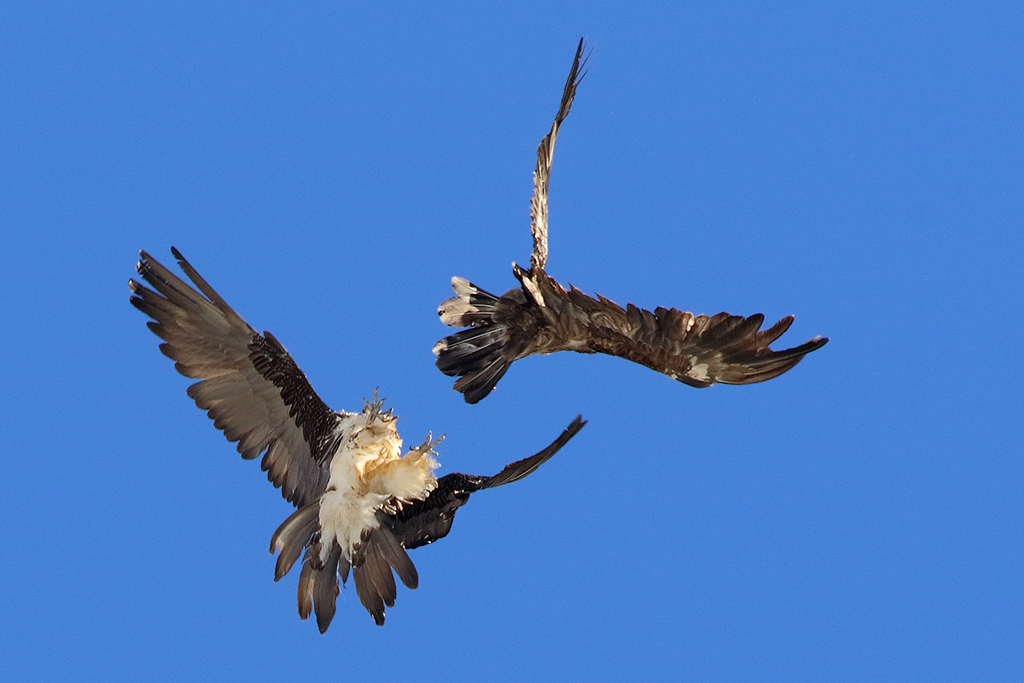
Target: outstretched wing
249, 385
541, 317
427, 520
522, 468
542, 173
698, 350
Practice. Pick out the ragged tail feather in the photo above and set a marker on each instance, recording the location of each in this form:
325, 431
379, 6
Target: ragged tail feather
318, 585
474, 355
378, 555
318, 588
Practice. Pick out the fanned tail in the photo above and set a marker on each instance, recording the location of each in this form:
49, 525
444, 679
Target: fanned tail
475, 354
378, 554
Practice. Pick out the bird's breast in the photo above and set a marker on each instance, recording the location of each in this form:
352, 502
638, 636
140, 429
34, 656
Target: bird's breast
367, 474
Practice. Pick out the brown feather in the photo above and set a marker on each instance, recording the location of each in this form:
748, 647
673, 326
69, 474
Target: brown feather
367, 593
696, 350
306, 577
325, 589
394, 554
249, 386
379, 573
542, 171
541, 317
292, 537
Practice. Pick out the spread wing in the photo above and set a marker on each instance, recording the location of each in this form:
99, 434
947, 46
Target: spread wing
249, 385
427, 520
541, 317
698, 350
542, 173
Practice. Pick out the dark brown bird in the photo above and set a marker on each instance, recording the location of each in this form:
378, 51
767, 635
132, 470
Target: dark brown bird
360, 504
540, 316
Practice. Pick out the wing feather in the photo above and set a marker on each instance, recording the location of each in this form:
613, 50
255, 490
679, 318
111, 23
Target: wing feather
425, 521
249, 386
540, 317
698, 350
542, 172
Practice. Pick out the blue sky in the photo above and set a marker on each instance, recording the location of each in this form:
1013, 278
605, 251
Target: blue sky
329, 168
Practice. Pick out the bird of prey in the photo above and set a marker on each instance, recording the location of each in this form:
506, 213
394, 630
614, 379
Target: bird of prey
540, 316
360, 505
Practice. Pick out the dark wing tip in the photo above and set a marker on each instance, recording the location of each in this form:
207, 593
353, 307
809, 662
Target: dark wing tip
521, 468
803, 349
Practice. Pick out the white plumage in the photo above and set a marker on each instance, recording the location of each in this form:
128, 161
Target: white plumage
367, 474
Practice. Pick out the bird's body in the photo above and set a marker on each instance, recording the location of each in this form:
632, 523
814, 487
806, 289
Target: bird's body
367, 473
361, 503
540, 317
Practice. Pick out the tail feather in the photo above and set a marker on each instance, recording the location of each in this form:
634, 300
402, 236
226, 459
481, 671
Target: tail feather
381, 577
292, 536
318, 588
325, 590
471, 305
307, 577
376, 557
476, 385
368, 595
470, 349
475, 355
394, 554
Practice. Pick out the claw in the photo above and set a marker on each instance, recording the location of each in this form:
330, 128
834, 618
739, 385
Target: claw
427, 447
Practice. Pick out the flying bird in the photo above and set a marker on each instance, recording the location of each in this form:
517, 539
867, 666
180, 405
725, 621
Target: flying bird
360, 504
540, 316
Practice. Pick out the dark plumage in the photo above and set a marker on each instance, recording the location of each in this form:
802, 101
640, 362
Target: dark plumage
360, 505
540, 316
425, 521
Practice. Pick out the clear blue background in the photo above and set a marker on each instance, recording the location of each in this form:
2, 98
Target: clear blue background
329, 167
